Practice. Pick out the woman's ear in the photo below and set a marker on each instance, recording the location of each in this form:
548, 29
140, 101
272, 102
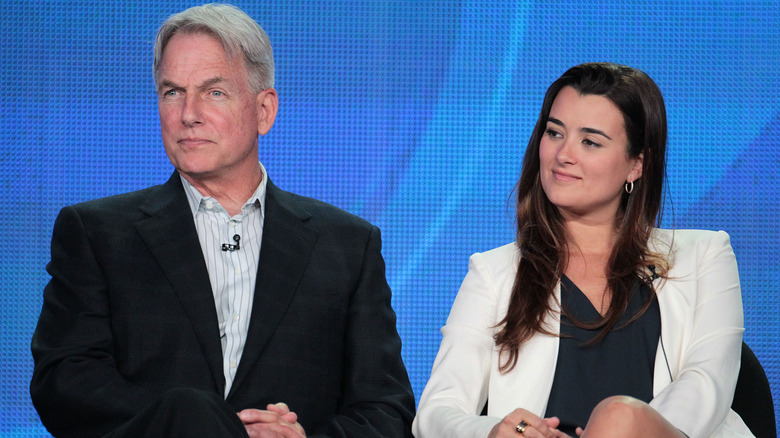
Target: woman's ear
636, 169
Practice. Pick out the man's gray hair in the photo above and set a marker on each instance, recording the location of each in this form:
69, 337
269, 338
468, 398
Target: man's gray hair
239, 34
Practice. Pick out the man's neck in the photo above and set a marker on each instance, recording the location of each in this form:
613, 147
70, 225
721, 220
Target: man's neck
231, 192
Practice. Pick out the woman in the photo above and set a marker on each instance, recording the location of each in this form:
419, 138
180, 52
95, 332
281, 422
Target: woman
593, 323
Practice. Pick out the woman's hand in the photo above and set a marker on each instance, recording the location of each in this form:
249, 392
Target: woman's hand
535, 427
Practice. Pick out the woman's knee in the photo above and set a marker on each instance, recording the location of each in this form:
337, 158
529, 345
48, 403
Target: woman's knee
624, 416
617, 415
621, 408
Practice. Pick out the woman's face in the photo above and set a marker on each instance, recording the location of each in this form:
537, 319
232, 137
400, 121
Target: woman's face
584, 162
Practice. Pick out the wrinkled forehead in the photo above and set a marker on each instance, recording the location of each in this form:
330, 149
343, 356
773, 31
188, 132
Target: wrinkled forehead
198, 59
232, 54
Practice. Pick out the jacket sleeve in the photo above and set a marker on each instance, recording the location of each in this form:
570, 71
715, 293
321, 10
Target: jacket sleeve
377, 399
703, 379
458, 387
75, 386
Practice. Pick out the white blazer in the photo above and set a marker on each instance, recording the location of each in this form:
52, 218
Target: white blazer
696, 364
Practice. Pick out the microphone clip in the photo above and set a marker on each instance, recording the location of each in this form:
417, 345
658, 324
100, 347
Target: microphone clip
232, 247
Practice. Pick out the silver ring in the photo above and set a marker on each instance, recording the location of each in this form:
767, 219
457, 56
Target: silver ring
520, 428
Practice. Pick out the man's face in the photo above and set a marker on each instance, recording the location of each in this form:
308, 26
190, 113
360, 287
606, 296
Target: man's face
208, 115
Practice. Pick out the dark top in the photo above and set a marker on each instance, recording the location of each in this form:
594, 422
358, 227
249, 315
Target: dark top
620, 364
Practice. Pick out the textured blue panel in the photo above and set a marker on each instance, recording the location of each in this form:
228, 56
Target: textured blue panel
413, 115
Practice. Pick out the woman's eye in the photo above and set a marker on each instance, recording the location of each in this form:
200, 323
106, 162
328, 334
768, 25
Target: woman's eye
592, 143
552, 133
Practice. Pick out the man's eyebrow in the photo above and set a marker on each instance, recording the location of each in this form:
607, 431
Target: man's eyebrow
207, 83
167, 84
588, 130
211, 81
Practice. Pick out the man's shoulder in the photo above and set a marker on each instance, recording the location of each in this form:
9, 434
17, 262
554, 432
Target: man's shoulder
121, 200
117, 199
316, 210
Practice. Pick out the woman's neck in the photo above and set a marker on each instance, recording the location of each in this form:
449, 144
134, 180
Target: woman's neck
590, 238
588, 250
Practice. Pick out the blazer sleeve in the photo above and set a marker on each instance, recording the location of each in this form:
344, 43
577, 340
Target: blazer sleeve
703, 380
458, 387
377, 399
75, 386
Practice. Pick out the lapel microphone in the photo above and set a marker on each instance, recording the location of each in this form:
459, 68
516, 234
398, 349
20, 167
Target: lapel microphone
231, 247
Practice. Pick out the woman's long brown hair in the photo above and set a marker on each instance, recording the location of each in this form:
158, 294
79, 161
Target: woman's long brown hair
541, 235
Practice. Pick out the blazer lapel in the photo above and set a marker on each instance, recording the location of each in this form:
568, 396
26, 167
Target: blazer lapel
170, 234
284, 255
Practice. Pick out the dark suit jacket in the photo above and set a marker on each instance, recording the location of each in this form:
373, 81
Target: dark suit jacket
129, 313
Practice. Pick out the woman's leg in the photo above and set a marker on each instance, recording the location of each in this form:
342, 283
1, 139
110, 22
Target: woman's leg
627, 417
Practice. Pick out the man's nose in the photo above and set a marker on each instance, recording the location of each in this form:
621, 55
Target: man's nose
191, 112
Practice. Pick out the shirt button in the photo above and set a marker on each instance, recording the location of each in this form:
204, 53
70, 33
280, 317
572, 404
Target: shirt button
237, 270
233, 364
236, 317
209, 204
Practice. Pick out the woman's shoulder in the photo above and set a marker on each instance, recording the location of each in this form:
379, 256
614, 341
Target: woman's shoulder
661, 238
496, 265
505, 254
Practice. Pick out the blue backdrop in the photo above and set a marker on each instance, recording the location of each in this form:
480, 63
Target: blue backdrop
413, 114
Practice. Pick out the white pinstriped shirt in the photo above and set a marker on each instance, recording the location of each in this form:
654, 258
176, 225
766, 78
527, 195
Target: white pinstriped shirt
233, 274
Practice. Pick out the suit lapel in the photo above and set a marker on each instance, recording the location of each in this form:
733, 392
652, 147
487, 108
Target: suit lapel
284, 255
170, 234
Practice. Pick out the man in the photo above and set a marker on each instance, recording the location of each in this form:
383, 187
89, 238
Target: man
217, 304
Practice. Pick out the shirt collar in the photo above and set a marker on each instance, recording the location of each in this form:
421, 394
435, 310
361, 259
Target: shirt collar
194, 197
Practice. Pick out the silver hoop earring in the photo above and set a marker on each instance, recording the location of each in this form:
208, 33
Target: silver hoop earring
629, 187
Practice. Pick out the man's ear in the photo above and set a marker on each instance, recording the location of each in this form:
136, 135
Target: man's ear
267, 105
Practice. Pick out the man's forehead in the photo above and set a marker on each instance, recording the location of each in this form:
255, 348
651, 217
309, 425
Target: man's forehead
232, 56
193, 52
